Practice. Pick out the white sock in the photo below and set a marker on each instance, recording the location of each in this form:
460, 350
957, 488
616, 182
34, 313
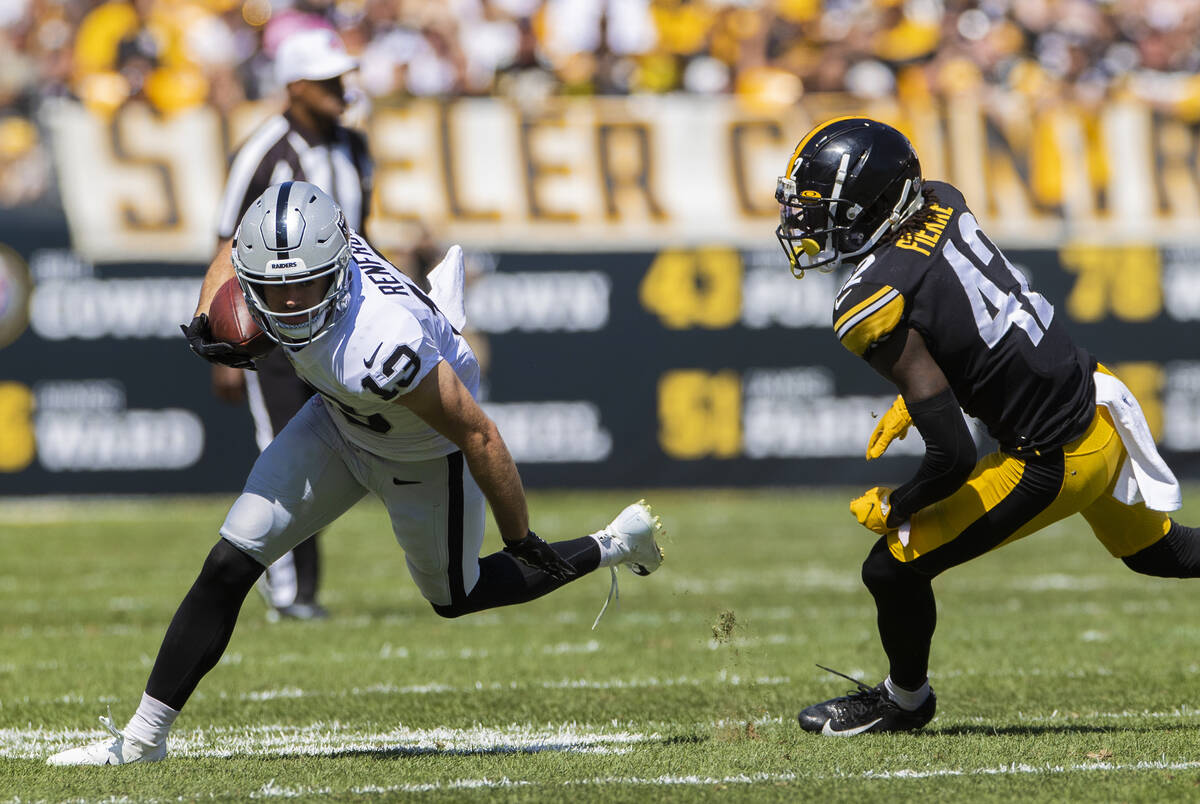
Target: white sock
909, 700
151, 722
611, 552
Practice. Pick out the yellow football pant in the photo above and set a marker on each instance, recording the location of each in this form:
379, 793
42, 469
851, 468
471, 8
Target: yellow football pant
1007, 498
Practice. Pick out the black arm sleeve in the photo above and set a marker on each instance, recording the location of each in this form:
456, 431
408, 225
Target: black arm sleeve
949, 456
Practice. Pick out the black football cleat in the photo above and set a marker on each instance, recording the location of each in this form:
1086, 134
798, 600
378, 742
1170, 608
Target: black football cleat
870, 709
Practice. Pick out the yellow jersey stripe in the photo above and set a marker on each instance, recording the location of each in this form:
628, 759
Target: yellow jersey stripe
870, 321
856, 309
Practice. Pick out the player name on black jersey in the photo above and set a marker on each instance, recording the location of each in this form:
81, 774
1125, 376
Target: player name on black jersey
926, 240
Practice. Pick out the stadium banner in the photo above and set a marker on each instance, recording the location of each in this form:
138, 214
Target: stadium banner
641, 173
637, 323
682, 366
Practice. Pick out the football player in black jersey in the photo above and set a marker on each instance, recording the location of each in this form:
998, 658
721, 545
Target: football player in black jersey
935, 307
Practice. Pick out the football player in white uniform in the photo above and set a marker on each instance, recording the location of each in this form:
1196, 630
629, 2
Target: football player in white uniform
395, 416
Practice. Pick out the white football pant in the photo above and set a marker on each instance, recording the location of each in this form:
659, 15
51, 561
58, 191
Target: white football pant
309, 476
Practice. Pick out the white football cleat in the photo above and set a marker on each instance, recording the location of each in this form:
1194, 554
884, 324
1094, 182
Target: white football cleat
630, 539
117, 751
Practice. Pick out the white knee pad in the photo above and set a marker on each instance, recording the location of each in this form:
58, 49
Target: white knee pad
252, 525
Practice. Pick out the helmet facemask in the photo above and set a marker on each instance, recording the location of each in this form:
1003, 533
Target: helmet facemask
316, 319
808, 229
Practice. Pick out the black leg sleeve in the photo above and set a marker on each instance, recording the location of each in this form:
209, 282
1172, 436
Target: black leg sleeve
1176, 555
308, 569
202, 625
906, 614
504, 581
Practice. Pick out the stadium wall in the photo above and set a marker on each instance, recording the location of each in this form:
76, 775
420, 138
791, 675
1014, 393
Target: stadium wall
637, 322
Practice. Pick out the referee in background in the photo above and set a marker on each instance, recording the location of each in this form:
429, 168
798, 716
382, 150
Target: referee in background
306, 142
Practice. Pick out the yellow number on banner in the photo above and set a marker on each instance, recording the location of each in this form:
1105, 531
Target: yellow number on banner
1146, 381
700, 414
1123, 280
17, 443
701, 288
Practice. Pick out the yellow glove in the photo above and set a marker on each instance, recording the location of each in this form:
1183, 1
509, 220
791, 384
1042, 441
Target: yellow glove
872, 509
893, 424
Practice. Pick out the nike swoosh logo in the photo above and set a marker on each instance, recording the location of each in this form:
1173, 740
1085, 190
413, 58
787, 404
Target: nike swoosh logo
830, 731
370, 361
400, 482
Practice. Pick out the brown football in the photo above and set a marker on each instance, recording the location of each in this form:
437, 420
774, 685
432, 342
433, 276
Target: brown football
231, 322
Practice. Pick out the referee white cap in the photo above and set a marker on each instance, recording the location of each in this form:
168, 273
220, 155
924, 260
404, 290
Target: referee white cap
313, 55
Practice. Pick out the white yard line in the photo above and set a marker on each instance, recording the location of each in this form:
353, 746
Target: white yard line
1183, 711
88, 510
333, 739
758, 778
324, 739
273, 790
1017, 769
722, 678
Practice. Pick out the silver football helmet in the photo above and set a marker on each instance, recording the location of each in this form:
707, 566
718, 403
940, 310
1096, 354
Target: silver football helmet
293, 232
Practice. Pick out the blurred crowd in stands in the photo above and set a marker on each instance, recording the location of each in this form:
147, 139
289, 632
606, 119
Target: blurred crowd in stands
177, 54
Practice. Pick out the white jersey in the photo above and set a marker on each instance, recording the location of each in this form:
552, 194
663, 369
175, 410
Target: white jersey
387, 340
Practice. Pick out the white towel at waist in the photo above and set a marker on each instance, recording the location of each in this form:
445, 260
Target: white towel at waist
1144, 476
446, 282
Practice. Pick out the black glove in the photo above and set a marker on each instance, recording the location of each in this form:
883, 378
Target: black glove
199, 337
535, 553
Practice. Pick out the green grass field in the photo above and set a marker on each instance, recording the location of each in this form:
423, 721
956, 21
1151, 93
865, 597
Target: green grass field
1061, 675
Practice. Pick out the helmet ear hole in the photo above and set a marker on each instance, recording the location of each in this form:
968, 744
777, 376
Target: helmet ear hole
850, 241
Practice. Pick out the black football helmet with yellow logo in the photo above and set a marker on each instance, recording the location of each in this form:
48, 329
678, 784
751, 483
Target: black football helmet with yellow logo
849, 182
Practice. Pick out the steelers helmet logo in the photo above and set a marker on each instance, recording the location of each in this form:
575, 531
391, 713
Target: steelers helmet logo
15, 287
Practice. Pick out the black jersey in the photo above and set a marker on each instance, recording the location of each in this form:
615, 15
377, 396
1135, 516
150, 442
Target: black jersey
1005, 353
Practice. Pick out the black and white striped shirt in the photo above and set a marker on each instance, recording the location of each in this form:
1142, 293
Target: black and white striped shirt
278, 151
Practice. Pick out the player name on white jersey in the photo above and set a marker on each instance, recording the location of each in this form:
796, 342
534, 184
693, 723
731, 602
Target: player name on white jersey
387, 339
